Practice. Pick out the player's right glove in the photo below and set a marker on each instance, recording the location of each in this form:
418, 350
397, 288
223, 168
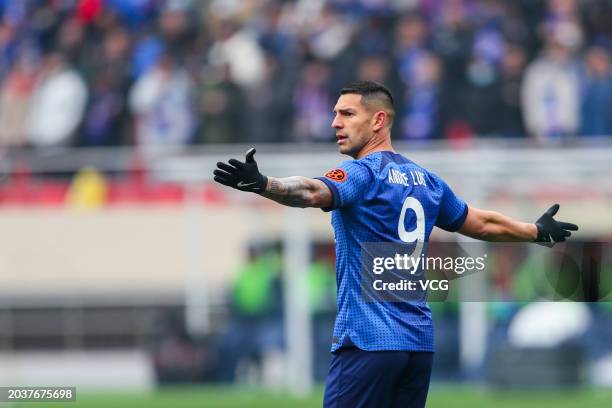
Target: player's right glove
244, 176
550, 230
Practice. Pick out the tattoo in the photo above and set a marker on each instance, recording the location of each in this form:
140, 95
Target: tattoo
276, 187
297, 191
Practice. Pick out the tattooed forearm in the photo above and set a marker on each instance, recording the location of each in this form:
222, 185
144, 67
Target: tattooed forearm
298, 192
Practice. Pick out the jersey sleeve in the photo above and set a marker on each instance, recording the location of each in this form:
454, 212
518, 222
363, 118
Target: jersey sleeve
453, 210
347, 184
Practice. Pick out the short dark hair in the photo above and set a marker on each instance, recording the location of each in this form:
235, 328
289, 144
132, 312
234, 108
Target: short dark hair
370, 91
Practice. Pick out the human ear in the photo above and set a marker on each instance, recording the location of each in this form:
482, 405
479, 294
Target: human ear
379, 120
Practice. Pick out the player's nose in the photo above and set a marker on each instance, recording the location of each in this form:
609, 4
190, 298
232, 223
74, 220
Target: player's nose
336, 123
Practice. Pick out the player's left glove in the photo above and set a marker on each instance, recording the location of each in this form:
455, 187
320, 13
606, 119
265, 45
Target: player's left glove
242, 176
550, 230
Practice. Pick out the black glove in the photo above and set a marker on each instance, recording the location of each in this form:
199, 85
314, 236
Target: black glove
551, 230
242, 176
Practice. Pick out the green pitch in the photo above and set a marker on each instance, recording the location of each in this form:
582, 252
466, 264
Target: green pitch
230, 397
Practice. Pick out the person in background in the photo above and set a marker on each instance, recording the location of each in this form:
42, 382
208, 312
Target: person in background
451, 39
311, 101
420, 73
175, 28
266, 46
71, 41
255, 324
161, 102
109, 78
15, 99
239, 49
58, 103
421, 117
373, 68
509, 111
550, 92
596, 101
221, 106
268, 113
452, 35
321, 284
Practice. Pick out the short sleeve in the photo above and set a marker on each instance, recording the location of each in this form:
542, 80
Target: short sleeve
347, 183
453, 210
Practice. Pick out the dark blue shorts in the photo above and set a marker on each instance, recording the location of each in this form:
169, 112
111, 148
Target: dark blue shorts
359, 378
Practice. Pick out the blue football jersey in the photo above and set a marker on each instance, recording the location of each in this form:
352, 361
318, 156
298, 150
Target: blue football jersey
384, 197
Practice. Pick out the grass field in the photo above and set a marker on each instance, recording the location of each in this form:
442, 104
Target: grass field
228, 397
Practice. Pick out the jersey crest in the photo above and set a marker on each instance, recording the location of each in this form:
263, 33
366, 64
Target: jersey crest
338, 175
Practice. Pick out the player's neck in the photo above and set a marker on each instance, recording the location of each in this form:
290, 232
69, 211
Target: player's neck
376, 144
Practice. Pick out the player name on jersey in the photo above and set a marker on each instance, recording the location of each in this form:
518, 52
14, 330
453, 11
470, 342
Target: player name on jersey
398, 177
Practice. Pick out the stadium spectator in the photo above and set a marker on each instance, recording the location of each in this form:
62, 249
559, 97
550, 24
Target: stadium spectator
161, 101
479, 97
71, 37
58, 103
311, 100
113, 54
328, 34
420, 73
109, 72
175, 29
268, 111
421, 118
374, 68
596, 106
481, 94
463, 45
147, 50
221, 106
509, 111
105, 115
451, 41
134, 13
550, 91
255, 326
274, 34
321, 283
15, 99
7, 48
238, 48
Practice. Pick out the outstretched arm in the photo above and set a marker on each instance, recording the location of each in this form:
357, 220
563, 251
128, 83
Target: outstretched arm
298, 191
294, 191
493, 226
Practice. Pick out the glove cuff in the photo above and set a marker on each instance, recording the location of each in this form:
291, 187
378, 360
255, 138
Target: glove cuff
262, 184
541, 237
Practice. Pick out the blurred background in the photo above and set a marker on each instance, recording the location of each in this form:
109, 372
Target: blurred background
125, 271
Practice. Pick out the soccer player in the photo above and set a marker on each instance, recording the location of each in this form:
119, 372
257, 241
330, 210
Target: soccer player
382, 351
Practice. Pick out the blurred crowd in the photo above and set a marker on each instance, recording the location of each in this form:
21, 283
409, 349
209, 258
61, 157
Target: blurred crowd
160, 73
